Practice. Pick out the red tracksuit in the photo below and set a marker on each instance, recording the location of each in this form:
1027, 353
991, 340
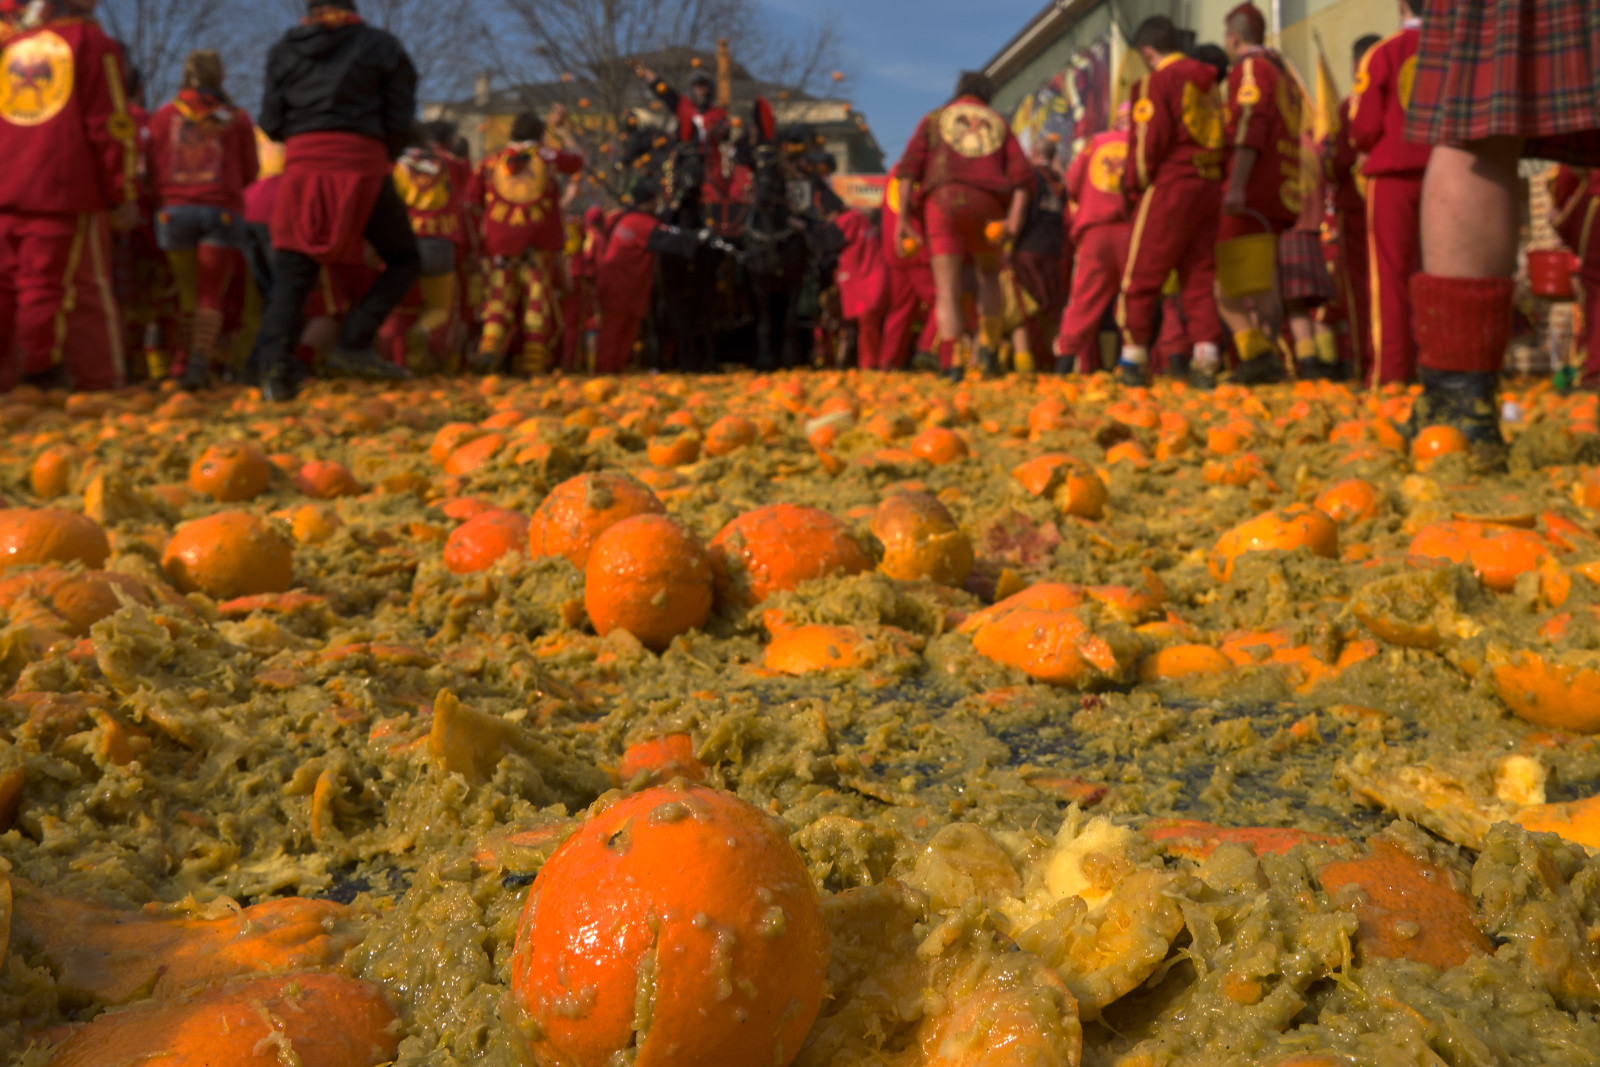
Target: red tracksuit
863, 285
70, 151
203, 152
1575, 214
523, 234
578, 306
968, 164
1263, 113
911, 288
1175, 163
624, 280
1394, 170
1340, 166
1101, 233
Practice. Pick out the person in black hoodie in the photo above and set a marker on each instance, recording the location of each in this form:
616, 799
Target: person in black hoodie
341, 95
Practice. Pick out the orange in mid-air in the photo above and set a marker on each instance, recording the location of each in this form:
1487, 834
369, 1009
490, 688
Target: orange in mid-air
651, 576
229, 554
677, 926
231, 472
50, 535
575, 514
775, 548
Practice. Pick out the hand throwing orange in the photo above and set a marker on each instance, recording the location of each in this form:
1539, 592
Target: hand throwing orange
650, 576
579, 510
678, 925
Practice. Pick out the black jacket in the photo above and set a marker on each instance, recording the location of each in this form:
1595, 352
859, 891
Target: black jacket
354, 79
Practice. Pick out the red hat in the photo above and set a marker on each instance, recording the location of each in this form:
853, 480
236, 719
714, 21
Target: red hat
1252, 13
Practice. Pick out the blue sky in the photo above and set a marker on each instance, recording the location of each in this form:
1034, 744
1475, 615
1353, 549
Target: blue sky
905, 54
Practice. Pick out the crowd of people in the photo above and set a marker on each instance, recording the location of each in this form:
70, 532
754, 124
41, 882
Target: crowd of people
333, 234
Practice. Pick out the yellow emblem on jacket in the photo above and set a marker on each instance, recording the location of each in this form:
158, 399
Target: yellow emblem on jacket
972, 130
1202, 117
521, 178
36, 79
1107, 165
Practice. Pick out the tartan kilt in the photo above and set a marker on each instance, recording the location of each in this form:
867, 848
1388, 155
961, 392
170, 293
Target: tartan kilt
1303, 269
1522, 68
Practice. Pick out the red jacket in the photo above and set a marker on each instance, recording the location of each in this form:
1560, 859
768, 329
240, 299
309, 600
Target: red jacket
1177, 126
434, 202
862, 277
1378, 107
67, 139
1341, 166
1094, 183
693, 124
521, 199
201, 153
1575, 209
966, 143
1263, 113
627, 273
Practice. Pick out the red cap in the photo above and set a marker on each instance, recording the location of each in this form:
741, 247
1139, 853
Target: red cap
1258, 21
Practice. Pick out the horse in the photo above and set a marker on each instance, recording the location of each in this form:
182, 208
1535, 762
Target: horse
775, 256
688, 287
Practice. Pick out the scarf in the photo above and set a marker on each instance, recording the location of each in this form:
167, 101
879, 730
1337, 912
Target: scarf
196, 104
331, 17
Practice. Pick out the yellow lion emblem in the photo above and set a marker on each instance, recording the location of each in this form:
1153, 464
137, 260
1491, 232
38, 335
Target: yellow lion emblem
36, 78
1202, 116
1106, 166
521, 184
971, 130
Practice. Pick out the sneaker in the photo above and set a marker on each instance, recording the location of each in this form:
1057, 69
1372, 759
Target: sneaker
1178, 365
344, 363
925, 361
1309, 369
196, 374
1202, 379
1263, 370
988, 362
956, 373
1131, 373
1066, 365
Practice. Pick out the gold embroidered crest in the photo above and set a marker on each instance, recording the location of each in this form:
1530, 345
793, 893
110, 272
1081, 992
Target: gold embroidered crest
1201, 116
971, 130
1107, 165
36, 78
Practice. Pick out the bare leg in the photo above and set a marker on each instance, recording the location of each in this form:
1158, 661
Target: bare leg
947, 301
1469, 210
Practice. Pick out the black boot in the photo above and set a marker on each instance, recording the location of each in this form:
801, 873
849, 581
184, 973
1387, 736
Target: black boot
1265, 369
1468, 401
344, 363
1132, 374
988, 362
196, 374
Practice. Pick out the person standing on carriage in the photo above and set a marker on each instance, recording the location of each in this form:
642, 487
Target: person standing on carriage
697, 114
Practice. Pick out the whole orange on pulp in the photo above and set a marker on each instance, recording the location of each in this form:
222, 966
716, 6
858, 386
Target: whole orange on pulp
231, 472
476, 544
50, 535
777, 547
229, 554
575, 514
651, 576
678, 925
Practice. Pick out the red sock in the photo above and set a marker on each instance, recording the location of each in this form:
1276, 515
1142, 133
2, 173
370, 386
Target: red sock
947, 354
1463, 324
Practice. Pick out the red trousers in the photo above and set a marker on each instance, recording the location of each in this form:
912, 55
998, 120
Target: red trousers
56, 302
869, 338
1041, 276
1175, 230
1394, 229
618, 331
1586, 287
1096, 277
577, 306
523, 292
1355, 288
910, 291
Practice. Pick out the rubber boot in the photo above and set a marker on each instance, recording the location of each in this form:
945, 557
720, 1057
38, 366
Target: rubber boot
1463, 330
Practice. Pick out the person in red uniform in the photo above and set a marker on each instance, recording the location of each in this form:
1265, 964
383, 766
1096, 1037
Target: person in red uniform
1101, 233
1264, 192
626, 276
972, 173
341, 96
698, 113
202, 154
518, 193
912, 293
71, 157
1174, 169
580, 310
863, 282
1341, 164
1575, 214
1393, 168
1496, 82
